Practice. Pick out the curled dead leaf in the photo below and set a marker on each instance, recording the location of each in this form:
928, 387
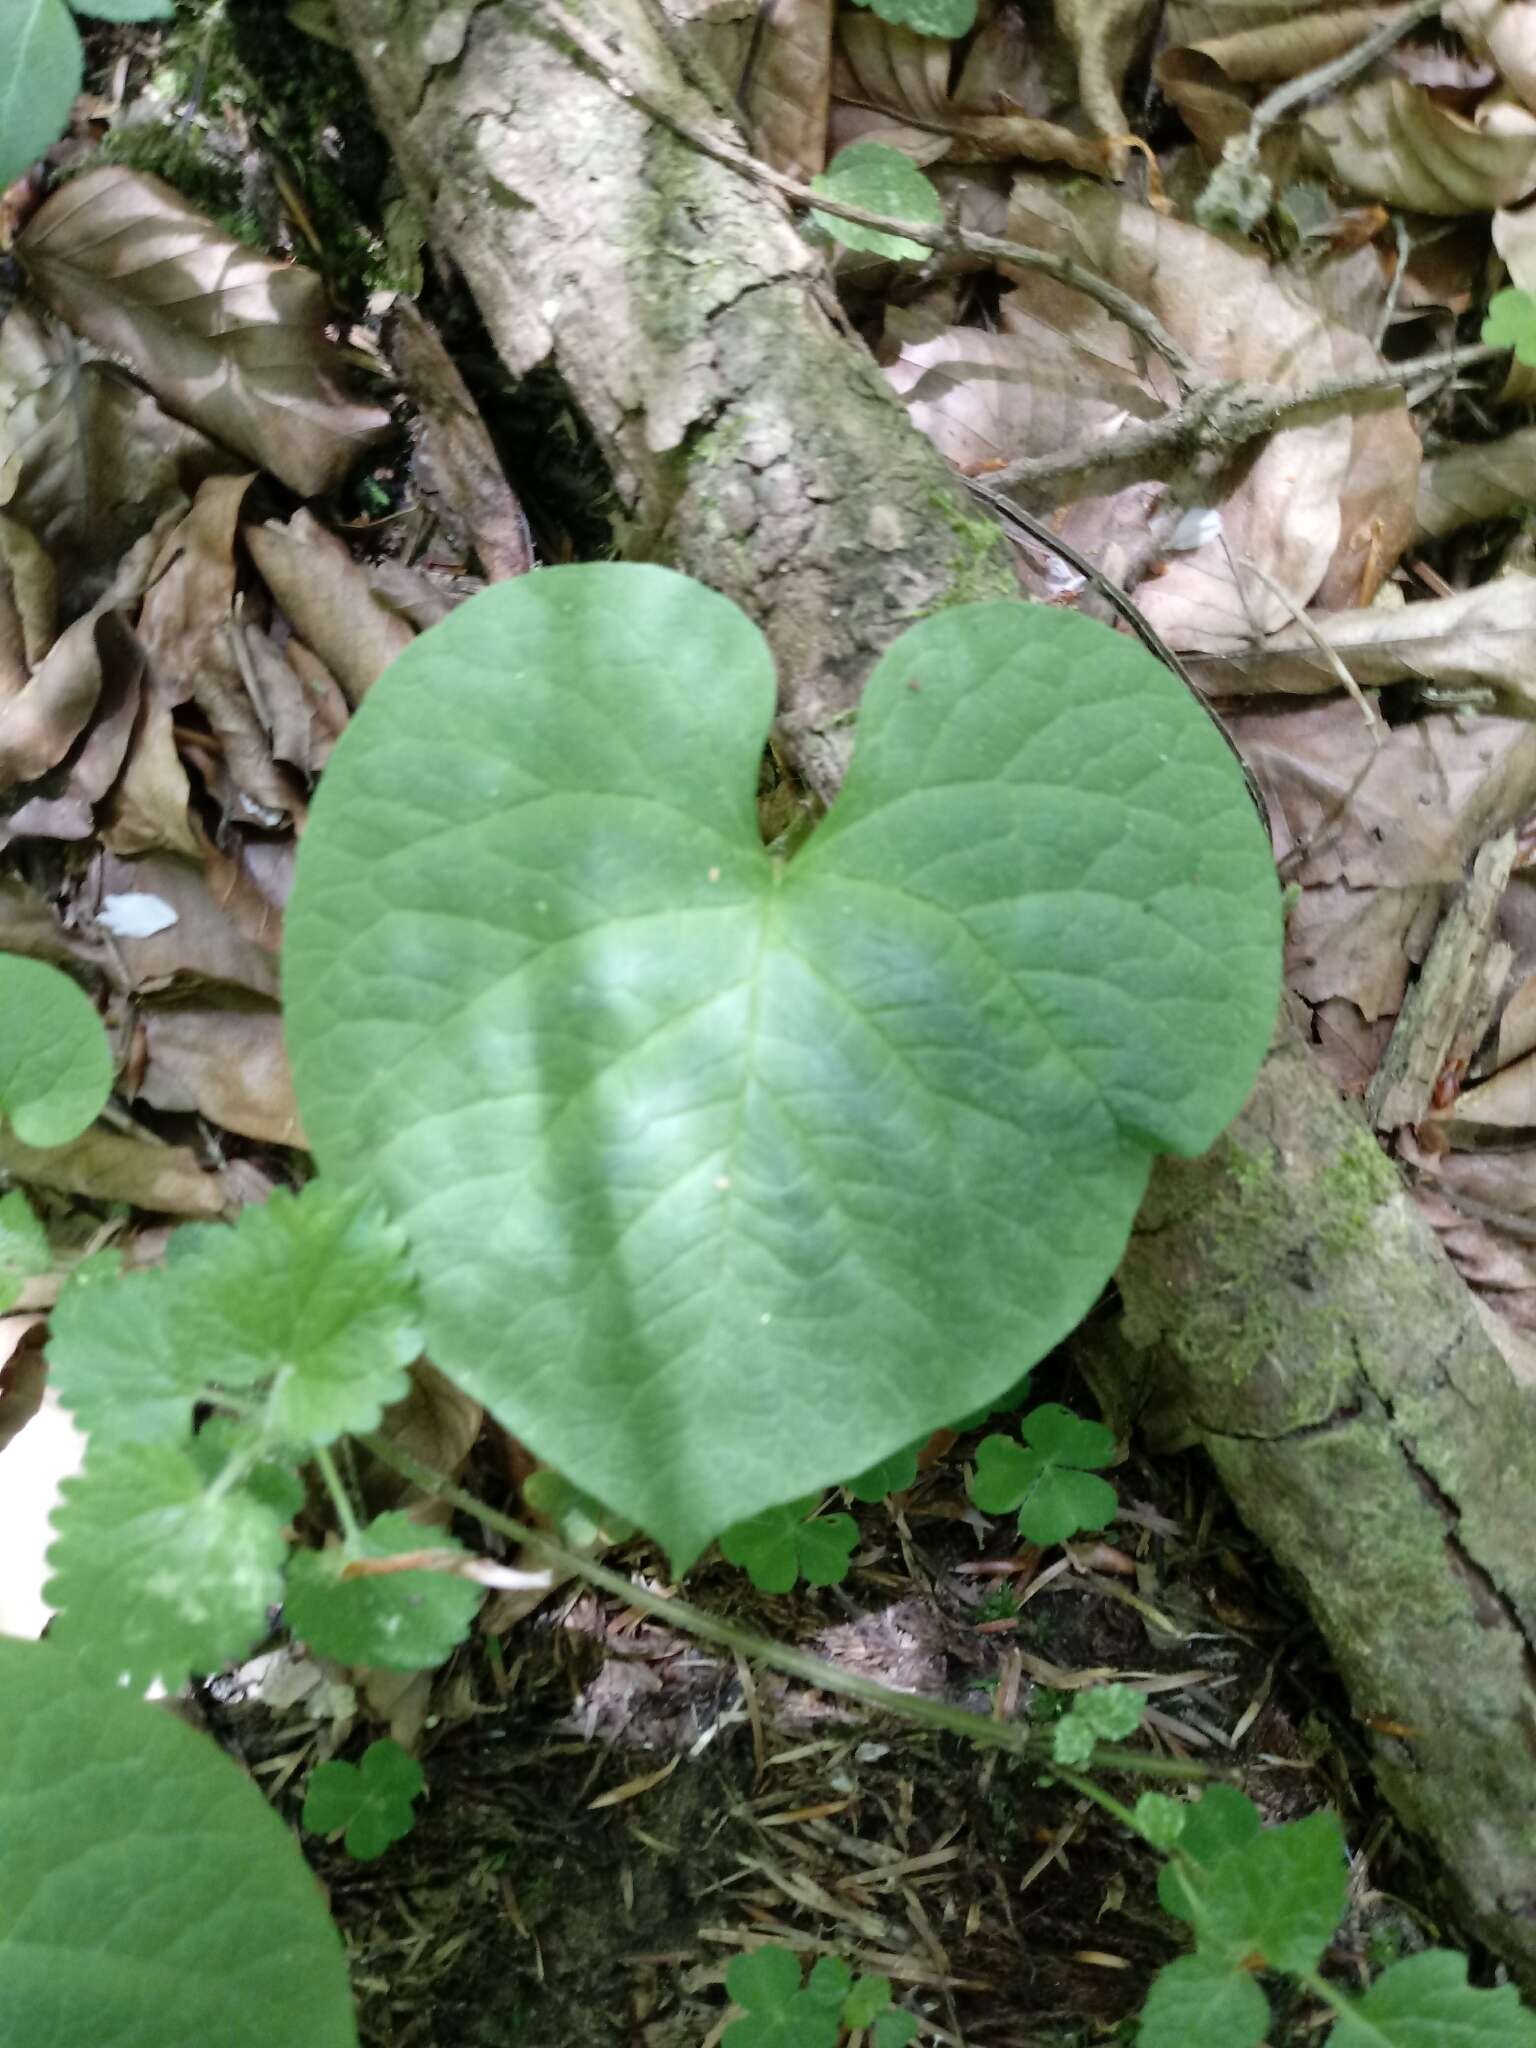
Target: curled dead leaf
327, 598
226, 338
1394, 141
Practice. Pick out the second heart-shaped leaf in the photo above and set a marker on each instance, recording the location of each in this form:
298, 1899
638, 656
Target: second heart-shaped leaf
727, 1177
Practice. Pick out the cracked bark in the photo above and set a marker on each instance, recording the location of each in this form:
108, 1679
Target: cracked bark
1288, 1309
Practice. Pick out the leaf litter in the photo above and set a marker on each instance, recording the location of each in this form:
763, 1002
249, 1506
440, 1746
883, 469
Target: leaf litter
180, 646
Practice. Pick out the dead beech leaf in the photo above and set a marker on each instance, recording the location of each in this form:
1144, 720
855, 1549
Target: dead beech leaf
1503, 31
148, 809
23, 1372
107, 1166
40, 725
225, 338
1480, 638
29, 593
226, 1061
1105, 36
1359, 944
1205, 80
982, 397
789, 90
1395, 142
95, 762
203, 945
327, 599
1014, 65
88, 460
1195, 21
1409, 813
1465, 484
435, 1423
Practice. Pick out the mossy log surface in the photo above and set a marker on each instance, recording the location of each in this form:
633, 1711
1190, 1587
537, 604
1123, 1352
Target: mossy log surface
1287, 1307
751, 441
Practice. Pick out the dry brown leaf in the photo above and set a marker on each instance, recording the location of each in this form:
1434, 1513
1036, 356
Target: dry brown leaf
1408, 813
225, 338
203, 945
88, 460
23, 1372
436, 1423
789, 91
149, 807
94, 764
28, 925
29, 591
1503, 31
1105, 36
1205, 79
1395, 142
983, 398
1359, 944
40, 725
457, 455
225, 1060
1480, 638
106, 1166
1464, 484
327, 599
1195, 21
1015, 66
1236, 320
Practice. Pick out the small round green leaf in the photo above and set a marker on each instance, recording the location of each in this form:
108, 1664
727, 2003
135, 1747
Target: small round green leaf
152, 1899
408, 1620
155, 1575
881, 180
55, 1065
947, 18
725, 1178
372, 1799
41, 66
1510, 322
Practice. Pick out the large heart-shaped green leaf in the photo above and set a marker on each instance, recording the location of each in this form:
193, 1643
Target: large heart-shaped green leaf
151, 1898
727, 1177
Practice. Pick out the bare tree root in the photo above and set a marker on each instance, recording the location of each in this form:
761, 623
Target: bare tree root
1288, 1308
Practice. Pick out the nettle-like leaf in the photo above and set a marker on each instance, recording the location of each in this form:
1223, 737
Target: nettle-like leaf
372, 1799
882, 180
780, 1546
24, 1252
1202, 2001
1510, 322
266, 1475
727, 1176
41, 69
929, 17
307, 1298
892, 1475
409, 1620
55, 1065
1159, 1819
1273, 1903
1425, 2001
157, 1574
1109, 1713
765, 1982
151, 1895
1050, 1477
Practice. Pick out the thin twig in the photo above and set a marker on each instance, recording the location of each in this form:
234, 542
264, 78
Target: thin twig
609, 64
1325, 77
813, 1671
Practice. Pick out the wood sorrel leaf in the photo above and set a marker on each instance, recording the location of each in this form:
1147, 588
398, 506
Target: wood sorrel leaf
151, 1898
726, 1177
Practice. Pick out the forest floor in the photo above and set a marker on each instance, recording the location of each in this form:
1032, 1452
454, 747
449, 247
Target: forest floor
615, 1810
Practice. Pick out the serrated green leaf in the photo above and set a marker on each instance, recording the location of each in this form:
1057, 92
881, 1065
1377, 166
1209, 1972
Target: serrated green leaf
1201, 2002
1273, 1904
24, 1252
155, 1575
947, 18
372, 1799
114, 1359
778, 2013
892, 1475
1220, 1820
1109, 1713
1425, 2001
725, 1178
577, 1518
881, 180
41, 66
409, 1620
1511, 323
264, 1474
1055, 1498
152, 1898
1159, 1819
55, 1065
779, 1546
311, 1295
